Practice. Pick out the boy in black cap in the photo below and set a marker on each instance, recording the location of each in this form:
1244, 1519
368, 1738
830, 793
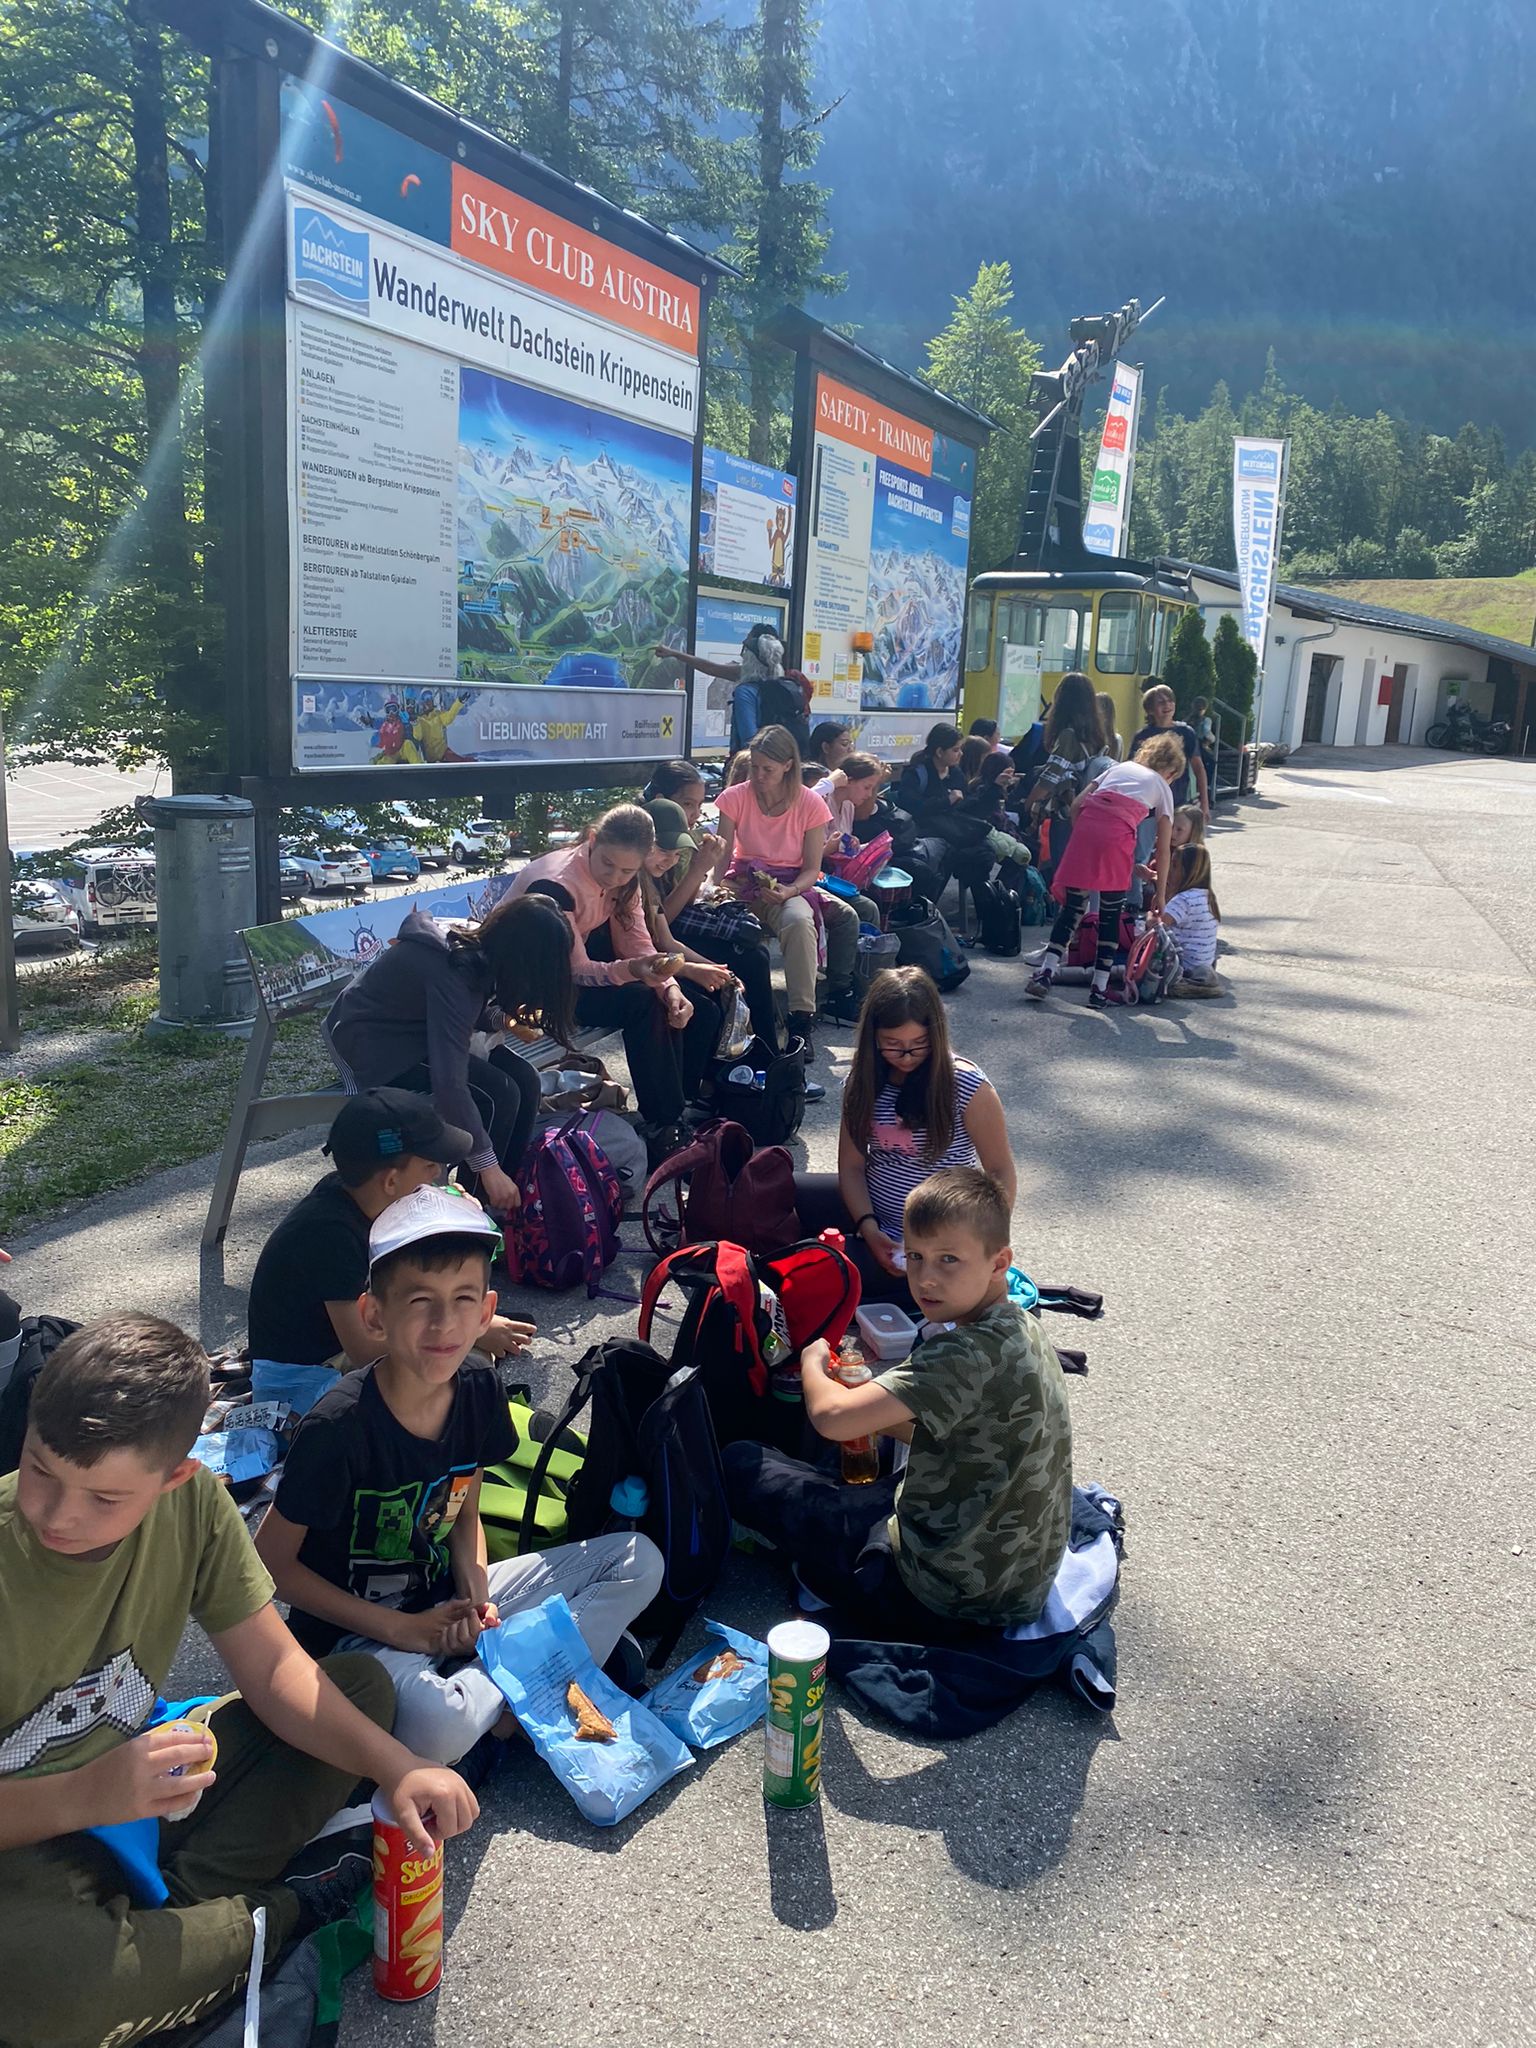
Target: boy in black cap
303, 1309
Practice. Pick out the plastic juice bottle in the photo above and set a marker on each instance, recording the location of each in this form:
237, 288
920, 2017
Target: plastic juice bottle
861, 1454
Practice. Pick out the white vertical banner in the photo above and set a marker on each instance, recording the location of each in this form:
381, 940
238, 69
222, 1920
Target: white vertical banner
1109, 496
1258, 505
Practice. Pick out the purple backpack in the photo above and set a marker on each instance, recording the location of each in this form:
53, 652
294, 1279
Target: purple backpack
567, 1228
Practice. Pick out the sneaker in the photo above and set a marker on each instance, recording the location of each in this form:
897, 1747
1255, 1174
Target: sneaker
815, 1091
1098, 999
626, 1667
661, 1141
842, 1005
328, 1892
483, 1760
800, 1022
1039, 984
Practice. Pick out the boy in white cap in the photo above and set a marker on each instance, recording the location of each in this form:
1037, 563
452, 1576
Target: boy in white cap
375, 1537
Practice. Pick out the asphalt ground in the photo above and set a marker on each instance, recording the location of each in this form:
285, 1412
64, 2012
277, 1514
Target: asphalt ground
1310, 1211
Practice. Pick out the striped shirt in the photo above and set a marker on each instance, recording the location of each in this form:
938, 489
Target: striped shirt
897, 1158
1194, 930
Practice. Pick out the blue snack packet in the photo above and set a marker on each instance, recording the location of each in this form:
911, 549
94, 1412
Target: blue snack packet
535, 1658
717, 1692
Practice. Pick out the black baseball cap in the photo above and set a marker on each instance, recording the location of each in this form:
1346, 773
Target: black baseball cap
383, 1125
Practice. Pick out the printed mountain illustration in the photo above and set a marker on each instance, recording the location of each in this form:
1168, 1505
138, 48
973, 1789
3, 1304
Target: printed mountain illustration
561, 556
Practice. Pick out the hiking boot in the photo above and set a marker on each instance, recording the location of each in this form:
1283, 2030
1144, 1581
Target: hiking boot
661, 1141
1039, 984
800, 1022
327, 1892
842, 1005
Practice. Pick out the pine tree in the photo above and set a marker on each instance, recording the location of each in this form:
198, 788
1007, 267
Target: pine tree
986, 362
1234, 668
1189, 670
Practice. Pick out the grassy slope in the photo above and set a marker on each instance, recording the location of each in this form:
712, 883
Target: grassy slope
1503, 605
71, 1132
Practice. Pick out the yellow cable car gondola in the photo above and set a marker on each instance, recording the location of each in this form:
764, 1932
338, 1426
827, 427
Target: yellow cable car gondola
1057, 606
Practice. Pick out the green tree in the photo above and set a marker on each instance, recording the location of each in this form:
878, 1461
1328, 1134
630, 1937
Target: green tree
779, 237
1412, 554
1234, 668
1189, 670
986, 362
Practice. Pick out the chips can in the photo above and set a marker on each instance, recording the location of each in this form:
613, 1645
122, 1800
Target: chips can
407, 1911
797, 1690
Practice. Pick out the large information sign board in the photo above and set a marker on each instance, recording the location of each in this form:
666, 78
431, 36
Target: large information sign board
493, 416
889, 515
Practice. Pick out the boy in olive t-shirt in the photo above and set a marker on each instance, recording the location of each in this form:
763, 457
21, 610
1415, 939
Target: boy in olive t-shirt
978, 1520
117, 1918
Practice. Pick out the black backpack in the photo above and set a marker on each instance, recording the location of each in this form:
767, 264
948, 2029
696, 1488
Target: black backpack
650, 1421
1001, 919
41, 1336
772, 1114
780, 702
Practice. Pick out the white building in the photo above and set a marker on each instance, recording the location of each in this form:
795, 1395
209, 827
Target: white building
1342, 674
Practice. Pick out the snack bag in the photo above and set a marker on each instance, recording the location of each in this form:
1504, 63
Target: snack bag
548, 1679
715, 1693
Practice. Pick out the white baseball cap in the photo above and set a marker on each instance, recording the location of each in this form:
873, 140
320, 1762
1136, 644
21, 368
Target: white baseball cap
429, 1212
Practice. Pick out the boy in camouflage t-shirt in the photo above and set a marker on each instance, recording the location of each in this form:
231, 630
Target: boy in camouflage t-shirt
978, 1521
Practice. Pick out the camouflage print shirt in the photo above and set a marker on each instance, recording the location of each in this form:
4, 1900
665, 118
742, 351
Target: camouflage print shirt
983, 1508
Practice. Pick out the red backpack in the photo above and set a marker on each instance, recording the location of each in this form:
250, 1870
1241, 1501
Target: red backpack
734, 1191
747, 1319
567, 1228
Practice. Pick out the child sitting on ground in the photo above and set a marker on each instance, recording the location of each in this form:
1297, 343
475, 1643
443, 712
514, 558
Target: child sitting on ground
375, 1536
110, 1537
1192, 915
973, 1530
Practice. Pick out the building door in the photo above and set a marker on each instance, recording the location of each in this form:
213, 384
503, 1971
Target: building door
1395, 702
1318, 679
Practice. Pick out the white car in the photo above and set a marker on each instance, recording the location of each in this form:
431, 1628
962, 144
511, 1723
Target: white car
41, 915
482, 839
110, 888
329, 867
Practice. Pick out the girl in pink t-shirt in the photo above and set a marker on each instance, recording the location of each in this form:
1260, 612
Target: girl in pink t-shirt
775, 833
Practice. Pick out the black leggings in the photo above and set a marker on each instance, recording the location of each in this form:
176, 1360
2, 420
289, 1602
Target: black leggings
506, 1092
666, 1066
1063, 931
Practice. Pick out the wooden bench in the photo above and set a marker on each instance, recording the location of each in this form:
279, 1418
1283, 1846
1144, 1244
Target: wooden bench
299, 967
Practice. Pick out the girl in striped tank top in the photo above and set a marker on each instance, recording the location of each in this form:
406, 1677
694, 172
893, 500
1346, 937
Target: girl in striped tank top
909, 1107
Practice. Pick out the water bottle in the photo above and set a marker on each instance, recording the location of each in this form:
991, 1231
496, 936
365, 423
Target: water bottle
760, 1080
629, 1500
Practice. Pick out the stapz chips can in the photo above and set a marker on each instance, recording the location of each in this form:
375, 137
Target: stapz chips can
407, 1911
797, 1687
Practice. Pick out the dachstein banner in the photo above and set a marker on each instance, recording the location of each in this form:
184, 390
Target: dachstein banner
1107, 519
1258, 504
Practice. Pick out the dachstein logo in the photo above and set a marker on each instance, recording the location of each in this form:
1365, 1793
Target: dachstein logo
330, 262
1258, 465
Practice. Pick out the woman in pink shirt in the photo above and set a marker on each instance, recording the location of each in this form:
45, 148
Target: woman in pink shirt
775, 834
622, 983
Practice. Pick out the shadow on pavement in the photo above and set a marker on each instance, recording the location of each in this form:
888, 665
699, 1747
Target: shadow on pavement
799, 1873
1004, 1801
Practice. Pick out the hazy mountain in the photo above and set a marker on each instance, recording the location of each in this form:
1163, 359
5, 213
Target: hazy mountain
1350, 181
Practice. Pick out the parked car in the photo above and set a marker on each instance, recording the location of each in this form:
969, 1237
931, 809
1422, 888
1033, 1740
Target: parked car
292, 879
110, 888
41, 915
390, 857
483, 839
330, 867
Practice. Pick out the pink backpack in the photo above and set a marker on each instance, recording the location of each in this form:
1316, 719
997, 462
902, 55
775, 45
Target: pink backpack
567, 1229
735, 1191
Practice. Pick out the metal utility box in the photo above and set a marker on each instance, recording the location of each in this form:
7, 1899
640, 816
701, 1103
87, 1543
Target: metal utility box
205, 875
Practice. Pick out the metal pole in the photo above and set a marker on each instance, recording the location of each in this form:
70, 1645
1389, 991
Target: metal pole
10, 1007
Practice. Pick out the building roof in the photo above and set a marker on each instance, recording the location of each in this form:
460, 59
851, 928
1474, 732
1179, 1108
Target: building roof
1321, 604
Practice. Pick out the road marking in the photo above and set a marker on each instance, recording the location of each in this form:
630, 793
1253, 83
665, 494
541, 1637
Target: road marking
1318, 785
